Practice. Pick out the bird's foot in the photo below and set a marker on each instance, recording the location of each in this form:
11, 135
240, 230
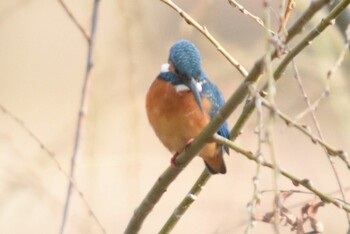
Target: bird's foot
173, 159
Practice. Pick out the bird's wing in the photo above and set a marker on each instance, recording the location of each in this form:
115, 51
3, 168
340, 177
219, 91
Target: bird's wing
211, 92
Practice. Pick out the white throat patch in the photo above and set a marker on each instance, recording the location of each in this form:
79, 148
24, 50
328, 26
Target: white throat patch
182, 88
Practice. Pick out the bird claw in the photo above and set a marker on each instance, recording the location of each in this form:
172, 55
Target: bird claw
173, 159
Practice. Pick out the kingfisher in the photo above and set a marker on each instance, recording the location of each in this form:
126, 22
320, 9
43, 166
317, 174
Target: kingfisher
181, 102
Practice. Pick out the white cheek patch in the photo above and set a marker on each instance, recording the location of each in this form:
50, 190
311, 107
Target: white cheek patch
164, 67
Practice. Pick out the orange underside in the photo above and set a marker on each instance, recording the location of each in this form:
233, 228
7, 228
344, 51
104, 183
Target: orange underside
176, 118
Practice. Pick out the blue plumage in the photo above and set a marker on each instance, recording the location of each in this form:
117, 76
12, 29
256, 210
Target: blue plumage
186, 59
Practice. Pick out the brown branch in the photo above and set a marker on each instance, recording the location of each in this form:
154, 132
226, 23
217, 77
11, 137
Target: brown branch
83, 104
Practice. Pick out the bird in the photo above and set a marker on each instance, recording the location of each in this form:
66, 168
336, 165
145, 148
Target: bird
180, 103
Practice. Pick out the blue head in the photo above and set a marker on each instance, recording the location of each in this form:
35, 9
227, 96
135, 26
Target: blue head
186, 59
186, 63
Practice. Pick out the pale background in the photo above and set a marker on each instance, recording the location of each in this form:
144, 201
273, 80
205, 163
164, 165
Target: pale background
42, 64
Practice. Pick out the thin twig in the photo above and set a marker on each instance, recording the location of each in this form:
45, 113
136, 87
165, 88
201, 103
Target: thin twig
207, 34
33, 136
286, 15
290, 122
271, 120
295, 180
256, 193
244, 11
74, 20
319, 132
248, 109
82, 111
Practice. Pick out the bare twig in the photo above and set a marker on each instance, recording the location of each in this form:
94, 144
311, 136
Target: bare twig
82, 107
271, 121
261, 138
207, 34
319, 132
286, 15
248, 109
247, 13
74, 20
53, 157
342, 54
290, 122
296, 181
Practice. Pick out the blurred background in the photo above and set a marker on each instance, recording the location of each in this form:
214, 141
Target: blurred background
42, 65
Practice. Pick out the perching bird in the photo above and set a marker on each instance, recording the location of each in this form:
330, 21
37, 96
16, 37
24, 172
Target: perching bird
181, 102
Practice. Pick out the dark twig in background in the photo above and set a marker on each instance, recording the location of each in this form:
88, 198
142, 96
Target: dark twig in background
74, 20
82, 111
53, 157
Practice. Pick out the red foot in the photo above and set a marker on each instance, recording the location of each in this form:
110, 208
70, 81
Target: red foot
173, 159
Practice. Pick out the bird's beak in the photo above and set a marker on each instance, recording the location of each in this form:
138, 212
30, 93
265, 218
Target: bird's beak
193, 86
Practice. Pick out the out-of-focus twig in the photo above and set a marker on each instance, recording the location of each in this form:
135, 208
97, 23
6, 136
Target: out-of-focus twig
53, 157
299, 24
286, 15
319, 132
342, 54
207, 34
186, 202
74, 20
82, 110
271, 87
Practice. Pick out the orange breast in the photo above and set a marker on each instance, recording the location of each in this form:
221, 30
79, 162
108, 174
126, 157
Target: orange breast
175, 116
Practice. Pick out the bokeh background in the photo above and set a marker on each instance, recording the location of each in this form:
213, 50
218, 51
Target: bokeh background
42, 64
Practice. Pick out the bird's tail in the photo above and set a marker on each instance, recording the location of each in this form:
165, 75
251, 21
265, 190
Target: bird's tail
216, 164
